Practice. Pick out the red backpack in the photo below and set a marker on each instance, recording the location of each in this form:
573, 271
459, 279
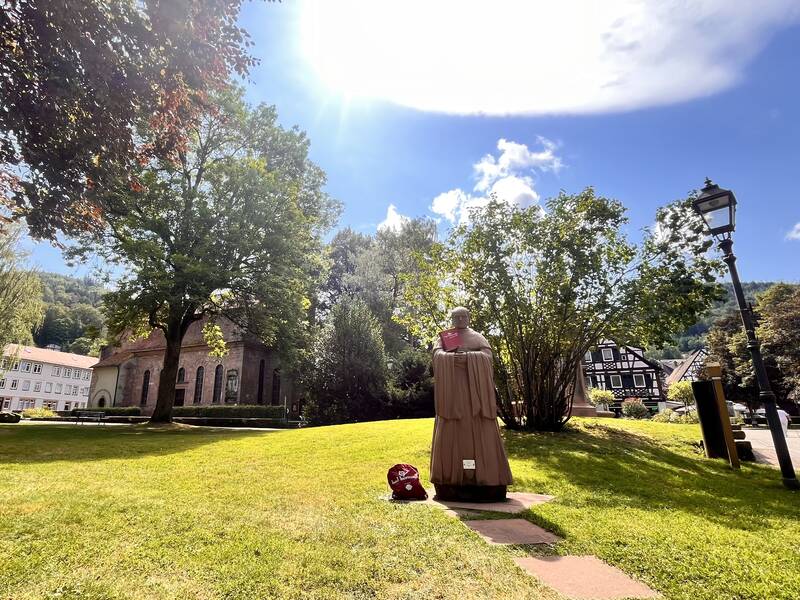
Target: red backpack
404, 481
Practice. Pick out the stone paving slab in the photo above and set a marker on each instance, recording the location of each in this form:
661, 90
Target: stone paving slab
584, 578
512, 531
516, 502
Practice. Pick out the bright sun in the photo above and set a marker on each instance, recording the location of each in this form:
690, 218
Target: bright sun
536, 56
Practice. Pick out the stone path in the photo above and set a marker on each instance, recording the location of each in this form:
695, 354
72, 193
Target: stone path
764, 449
511, 531
576, 577
584, 578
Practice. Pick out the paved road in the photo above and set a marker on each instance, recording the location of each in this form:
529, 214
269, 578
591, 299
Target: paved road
761, 439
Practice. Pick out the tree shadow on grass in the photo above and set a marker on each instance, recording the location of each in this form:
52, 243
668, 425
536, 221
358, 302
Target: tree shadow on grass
619, 469
25, 444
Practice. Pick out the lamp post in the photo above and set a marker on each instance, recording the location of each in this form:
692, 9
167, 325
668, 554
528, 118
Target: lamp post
717, 207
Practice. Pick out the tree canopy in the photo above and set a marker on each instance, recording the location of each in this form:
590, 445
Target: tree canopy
546, 285
89, 88
21, 305
233, 228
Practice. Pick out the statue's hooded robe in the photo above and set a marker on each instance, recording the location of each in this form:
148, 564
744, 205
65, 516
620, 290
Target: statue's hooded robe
466, 418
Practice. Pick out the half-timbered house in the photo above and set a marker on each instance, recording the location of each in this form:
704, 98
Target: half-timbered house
627, 373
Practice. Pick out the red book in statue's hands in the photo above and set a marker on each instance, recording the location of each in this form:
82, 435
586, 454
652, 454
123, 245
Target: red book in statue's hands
451, 339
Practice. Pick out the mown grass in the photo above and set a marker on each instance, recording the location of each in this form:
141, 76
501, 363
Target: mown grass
132, 512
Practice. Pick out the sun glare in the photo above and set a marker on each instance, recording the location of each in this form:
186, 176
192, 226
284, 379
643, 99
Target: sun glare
509, 56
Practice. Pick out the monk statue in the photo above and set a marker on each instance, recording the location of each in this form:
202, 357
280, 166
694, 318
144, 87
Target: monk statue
468, 461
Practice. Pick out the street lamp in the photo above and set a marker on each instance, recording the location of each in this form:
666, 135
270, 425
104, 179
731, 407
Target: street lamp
717, 207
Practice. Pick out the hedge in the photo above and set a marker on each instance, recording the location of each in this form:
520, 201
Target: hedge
255, 411
112, 411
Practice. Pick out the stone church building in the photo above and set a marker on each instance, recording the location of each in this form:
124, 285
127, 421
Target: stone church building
128, 374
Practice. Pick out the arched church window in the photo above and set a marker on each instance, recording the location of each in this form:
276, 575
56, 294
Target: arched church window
198, 386
215, 397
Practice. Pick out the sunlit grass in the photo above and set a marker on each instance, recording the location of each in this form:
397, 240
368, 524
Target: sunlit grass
119, 512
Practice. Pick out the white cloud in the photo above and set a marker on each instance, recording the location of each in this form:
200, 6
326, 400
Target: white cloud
394, 220
794, 234
508, 175
511, 57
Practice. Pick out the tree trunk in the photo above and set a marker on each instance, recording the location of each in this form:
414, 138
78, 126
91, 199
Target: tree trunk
167, 377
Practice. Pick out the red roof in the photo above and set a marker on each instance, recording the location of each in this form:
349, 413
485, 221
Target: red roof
114, 360
52, 357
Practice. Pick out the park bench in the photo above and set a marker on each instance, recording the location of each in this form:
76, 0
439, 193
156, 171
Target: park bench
87, 415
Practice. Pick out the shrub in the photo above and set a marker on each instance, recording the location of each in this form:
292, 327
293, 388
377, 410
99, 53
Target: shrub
411, 387
34, 413
681, 391
633, 408
598, 397
234, 411
665, 416
689, 418
9, 417
112, 411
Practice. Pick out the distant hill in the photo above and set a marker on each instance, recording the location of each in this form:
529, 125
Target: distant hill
694, 336
72, 317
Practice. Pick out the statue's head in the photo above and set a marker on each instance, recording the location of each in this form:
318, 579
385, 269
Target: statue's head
459, 317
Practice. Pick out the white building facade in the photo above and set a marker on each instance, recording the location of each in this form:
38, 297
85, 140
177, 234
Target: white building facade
39, 378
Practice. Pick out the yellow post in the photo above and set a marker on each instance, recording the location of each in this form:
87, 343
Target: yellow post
714, 372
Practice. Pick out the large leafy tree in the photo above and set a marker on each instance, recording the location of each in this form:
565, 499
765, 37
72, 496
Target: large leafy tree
80, 78
21, 306
232, 228
777, 310
349, 375
546, 285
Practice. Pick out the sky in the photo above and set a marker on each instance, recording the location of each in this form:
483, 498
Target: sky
424, 108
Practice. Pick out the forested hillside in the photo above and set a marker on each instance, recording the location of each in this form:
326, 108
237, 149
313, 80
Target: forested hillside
694, 337
72, 314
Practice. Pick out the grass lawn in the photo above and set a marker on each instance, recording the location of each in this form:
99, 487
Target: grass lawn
132, 512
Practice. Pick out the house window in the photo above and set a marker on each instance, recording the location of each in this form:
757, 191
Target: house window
67, 373
37, 368
25, 366
587, 357
588, 381
67, 406
26, 385
48, 387
181, 375
58, 388
37, 387
217, 392
276, 387
638, 381
15, 366
616, 381
51, 404
56, 371
608, 354
145, 387
84, 391
260, 396
74, 390
232, 385
14, 383
2, 383
198, 385
86, 375
76, 374
6, 403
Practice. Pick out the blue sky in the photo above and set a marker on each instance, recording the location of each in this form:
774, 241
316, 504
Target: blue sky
641, 101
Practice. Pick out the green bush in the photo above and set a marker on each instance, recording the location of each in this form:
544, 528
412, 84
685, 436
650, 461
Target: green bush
670, 416
33, 413
9, 417
237, 411
112, 411
598, 397
665, 416
633, 408
689, 418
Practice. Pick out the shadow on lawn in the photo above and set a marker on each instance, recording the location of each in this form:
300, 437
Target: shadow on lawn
21, 444
619, 469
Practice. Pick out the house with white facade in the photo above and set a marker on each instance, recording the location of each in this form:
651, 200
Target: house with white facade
40, 378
